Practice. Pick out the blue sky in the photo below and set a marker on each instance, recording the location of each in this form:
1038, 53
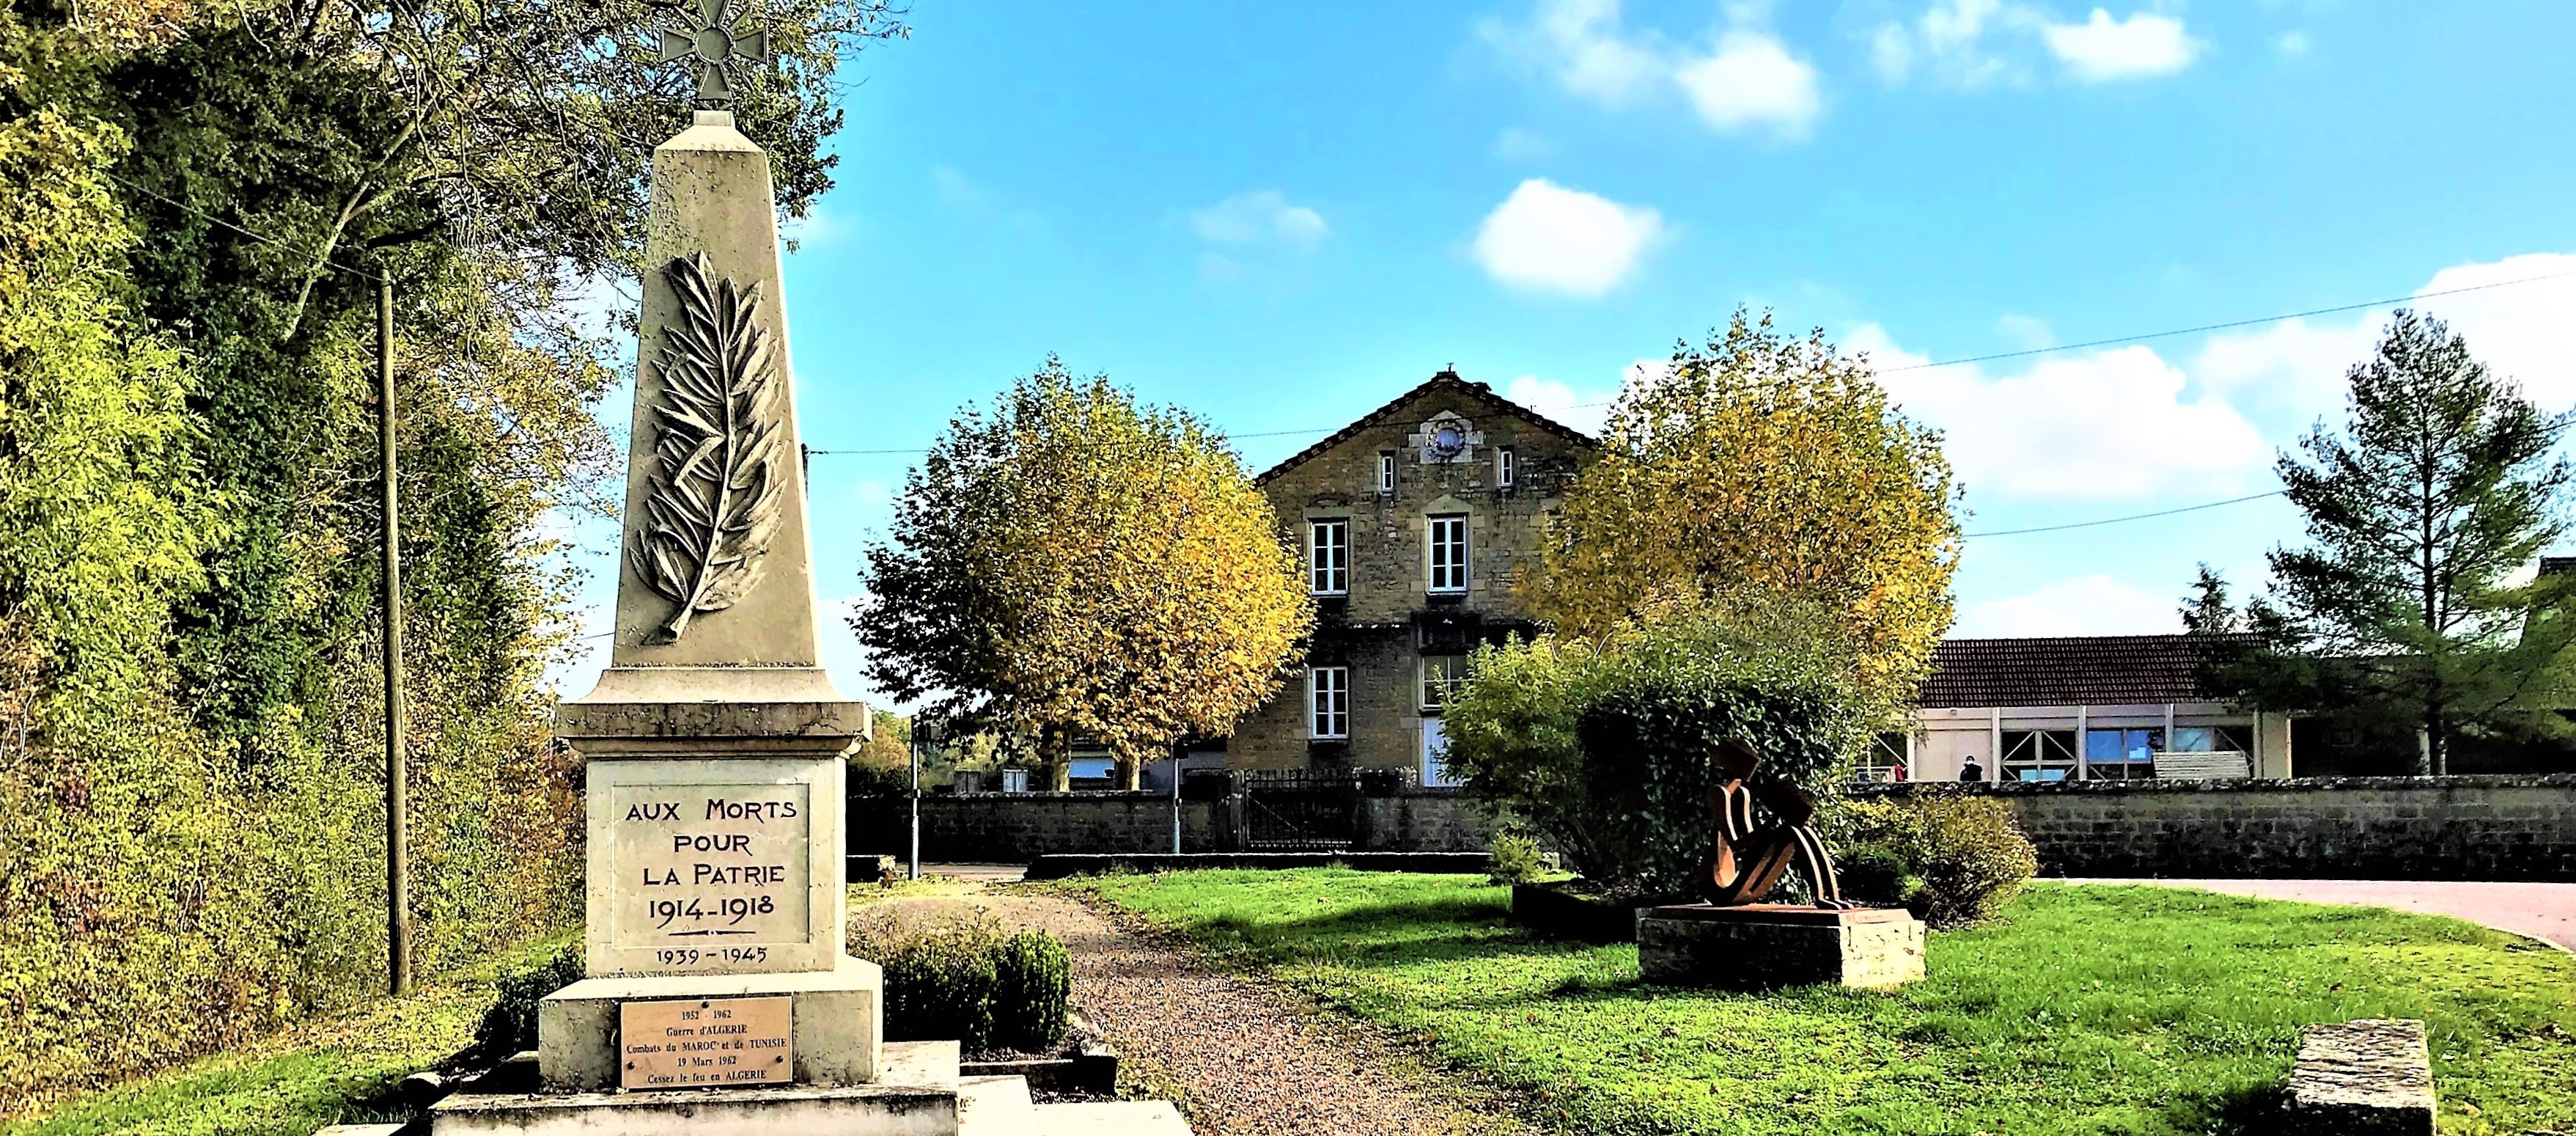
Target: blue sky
1280, 216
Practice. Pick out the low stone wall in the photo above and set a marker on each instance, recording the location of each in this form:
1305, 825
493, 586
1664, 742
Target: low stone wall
1061, 865
1422, 820
1014, 828
2442, 828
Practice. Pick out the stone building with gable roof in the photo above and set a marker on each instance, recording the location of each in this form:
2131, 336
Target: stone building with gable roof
1415, 524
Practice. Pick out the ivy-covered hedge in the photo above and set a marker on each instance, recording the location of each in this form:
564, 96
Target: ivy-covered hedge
191, 786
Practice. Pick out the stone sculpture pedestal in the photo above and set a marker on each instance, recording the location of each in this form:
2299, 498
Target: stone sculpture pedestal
1766, 945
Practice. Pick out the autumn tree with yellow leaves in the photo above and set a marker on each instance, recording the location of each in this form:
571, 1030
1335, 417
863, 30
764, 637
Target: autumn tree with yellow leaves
1069, 564
1763, 464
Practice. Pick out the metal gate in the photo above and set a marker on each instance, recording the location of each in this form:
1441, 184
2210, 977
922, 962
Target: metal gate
1298, 810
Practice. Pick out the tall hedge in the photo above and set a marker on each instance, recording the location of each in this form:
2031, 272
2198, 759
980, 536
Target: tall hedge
1604, 747
197, 201
191, 783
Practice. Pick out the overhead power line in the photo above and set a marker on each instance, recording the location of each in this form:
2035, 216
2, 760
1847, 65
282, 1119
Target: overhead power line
253, 234
2112, 341
2126, 519
2367, 304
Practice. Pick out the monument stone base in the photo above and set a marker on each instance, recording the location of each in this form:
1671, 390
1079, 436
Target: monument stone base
837, 1020
1765, 945
918, 1096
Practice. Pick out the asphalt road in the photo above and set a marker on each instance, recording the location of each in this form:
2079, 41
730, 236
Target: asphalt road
2542, 911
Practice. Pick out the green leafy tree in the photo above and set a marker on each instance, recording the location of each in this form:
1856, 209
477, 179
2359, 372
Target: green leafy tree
1762, 461
1070, 563
196, 198
2403, 606
884, 765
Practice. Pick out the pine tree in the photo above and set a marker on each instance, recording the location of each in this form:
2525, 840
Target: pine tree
2440, 487
2207, 610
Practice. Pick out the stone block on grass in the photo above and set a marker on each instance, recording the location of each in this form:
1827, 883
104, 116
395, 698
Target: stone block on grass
1768, 945
2366, 1078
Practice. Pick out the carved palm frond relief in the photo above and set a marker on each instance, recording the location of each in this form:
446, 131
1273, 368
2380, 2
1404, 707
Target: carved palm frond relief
712, 500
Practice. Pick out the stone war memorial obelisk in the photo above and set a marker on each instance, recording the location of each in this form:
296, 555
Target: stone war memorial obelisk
717, 997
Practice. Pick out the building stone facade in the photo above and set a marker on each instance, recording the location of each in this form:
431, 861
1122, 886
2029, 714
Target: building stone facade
1381, 510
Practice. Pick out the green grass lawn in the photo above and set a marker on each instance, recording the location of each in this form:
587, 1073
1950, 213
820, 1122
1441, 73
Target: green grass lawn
2086, 1009
330, 1071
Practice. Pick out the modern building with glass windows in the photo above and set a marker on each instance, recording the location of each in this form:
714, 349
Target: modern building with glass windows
2090, 708
1414, 524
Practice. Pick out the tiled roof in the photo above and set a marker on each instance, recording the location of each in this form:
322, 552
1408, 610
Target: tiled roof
1447, 380
2096, 670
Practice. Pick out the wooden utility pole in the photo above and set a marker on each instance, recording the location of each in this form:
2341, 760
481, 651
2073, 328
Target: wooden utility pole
397, 778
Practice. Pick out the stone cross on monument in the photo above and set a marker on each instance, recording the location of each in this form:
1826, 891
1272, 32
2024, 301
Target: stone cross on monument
714, 44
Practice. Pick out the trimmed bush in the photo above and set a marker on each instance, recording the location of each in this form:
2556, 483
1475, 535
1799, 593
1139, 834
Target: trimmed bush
1873, 873
1033, 986
941, 986
1968, 851
1517, 860
964, 978
510, 1026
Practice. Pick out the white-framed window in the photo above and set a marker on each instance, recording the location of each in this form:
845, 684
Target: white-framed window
1507, 468
1015, 780
1449, 554
1328, 557
1328, 702
1440, 675
1386, 473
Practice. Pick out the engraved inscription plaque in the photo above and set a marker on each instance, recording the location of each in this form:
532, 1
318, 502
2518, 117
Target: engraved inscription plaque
699, 1043
709, 876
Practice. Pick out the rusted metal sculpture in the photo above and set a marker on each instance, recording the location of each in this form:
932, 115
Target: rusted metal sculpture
1747, 860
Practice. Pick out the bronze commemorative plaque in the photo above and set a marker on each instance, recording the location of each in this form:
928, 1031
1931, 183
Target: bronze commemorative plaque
699, 1043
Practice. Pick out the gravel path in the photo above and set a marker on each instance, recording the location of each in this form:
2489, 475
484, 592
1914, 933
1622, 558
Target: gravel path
2546, 912
1240, 1059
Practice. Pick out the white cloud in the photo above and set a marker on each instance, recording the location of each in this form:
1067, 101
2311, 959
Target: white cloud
2526, 332
2028, 333
1518, 145
1750, 81
2292, 366
1258, 217
2292, 44
1581, 44
1950, 36
1583, 410
2102, 49
2127, 423
1548, 238
2521, 331
2085, 605
1747, 79
2108, 424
